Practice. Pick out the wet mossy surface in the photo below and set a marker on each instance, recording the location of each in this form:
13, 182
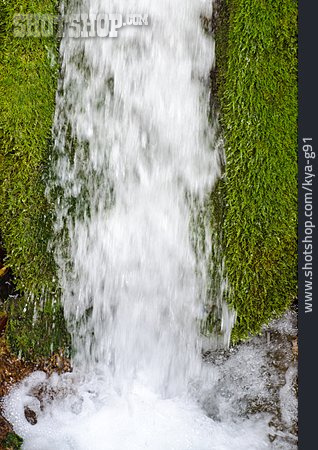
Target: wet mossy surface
28, 79
255, 201
256, 86
12, 442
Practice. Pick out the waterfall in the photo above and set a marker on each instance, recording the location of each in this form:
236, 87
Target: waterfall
135, 158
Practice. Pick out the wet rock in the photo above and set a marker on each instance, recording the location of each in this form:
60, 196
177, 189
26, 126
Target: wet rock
14, 370
5, 428
12, 442
7, 288
295, 348
3, 322
259, 377
30, 415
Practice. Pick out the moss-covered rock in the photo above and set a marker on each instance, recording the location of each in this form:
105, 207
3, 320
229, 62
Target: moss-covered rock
28, 78
256, 44
12, 442
256, 55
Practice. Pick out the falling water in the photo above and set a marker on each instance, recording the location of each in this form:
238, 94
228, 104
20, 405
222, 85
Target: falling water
135, 158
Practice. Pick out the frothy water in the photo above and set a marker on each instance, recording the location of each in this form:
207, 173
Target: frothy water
135, 158
138, 420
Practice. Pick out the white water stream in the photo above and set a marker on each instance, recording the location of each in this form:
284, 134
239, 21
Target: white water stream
135, 160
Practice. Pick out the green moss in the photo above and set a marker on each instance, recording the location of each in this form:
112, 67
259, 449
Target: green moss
28, 78
256, 44
256, 54
37, 328
12, 441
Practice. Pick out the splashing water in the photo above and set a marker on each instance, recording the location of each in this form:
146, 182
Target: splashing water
135, 158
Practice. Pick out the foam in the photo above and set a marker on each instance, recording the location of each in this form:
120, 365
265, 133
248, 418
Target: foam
100, 420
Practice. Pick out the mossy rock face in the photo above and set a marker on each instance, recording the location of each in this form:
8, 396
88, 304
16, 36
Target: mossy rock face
12, 442
256, 45
28, 77
256, 57
28, 80
37, 328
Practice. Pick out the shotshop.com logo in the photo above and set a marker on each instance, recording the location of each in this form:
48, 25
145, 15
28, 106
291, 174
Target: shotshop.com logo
74, 25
